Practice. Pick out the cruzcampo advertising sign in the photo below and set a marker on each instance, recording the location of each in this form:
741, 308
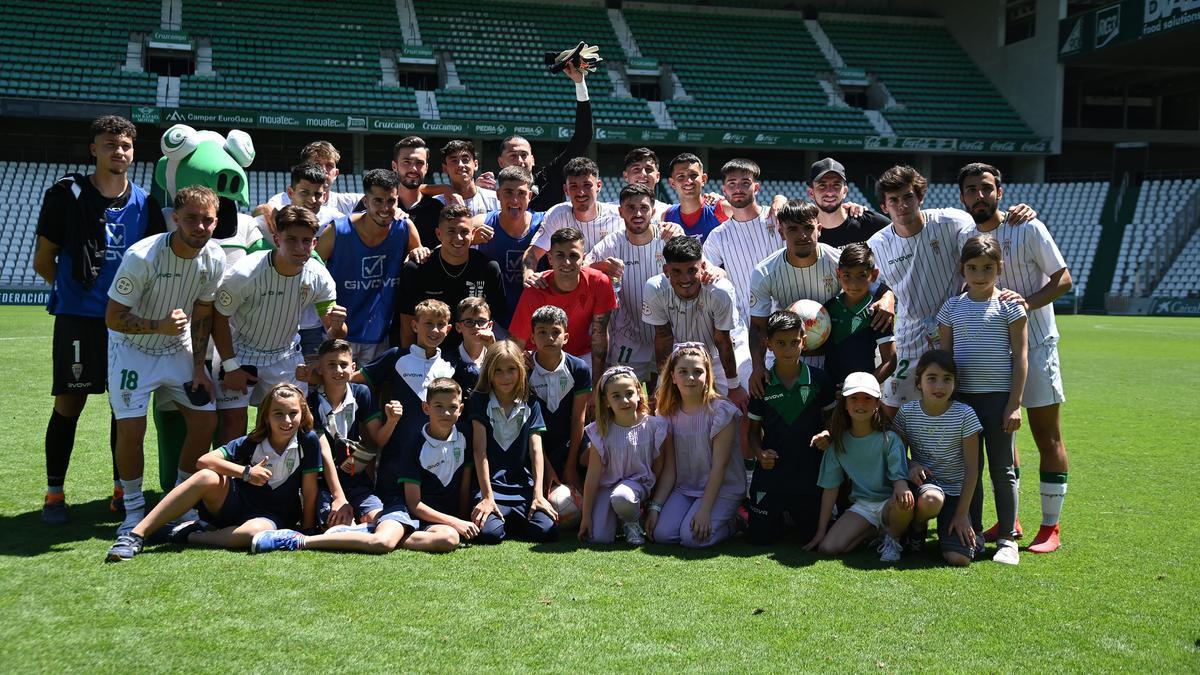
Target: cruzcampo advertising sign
371, 124
1121, 22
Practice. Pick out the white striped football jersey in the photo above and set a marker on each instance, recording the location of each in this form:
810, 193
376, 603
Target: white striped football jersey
152, 281
922, 271
1030, 257
265, 307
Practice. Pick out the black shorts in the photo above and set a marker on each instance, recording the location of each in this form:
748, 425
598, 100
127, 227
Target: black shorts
237, 509
80, 355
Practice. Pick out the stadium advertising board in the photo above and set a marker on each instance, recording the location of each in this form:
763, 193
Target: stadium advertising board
24, 296
313, 121
1123, 21
1175, 307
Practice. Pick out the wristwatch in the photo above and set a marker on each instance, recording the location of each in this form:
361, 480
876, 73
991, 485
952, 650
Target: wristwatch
246, 474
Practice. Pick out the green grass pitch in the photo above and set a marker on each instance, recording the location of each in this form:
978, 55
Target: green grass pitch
1122, 594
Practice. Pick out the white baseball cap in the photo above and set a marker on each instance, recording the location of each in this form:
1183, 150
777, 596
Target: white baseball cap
861, 383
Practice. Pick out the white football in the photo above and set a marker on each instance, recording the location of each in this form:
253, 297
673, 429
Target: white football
569, 505
816, 322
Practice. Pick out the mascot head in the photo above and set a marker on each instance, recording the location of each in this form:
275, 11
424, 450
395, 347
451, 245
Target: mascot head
205, 158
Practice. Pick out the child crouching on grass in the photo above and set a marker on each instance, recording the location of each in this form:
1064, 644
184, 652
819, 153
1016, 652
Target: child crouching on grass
627, 446
250, 485
873, 458
943, 440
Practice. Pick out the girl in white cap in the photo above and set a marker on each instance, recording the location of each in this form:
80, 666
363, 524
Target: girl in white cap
872, 456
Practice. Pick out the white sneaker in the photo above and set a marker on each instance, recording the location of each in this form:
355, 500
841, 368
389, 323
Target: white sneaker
132, 518
634, 534
1006, 552
890, 549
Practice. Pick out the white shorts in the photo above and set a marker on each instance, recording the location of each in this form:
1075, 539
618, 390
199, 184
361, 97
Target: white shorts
283, 370
133, 375
624, 350
872, 512
367, 352
901, 387
1043, 384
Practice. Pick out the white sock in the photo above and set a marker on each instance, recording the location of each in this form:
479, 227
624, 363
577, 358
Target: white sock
134, 500
1052, 501
180, 476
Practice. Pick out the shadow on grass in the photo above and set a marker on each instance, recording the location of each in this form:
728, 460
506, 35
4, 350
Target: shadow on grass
866, 558
25, 535
787, 551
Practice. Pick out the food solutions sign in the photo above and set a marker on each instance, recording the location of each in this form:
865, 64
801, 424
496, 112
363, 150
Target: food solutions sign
1123, 22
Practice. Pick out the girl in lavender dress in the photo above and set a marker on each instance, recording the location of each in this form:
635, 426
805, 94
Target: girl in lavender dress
702, 482
627, 446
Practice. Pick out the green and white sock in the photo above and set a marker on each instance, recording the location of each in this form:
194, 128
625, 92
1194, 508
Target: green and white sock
1054, 490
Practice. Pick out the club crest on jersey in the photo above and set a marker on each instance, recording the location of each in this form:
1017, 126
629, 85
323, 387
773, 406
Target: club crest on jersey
305, 291
77, 370
475, 289
1007, 249
829, 283
935, 246
290, 464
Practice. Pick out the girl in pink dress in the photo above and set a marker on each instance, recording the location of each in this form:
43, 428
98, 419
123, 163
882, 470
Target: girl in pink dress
703, 481
626, 451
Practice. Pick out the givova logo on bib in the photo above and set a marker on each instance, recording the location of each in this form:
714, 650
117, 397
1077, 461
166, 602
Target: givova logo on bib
115, 234
372, 266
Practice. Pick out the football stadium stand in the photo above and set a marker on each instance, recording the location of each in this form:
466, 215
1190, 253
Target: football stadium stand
1183, 277
764, 79
272, 54
721, 72
1071, 211
926, 71
67, 50
497, 51
1164, 219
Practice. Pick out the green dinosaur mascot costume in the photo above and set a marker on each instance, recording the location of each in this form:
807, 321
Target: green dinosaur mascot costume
217, 162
